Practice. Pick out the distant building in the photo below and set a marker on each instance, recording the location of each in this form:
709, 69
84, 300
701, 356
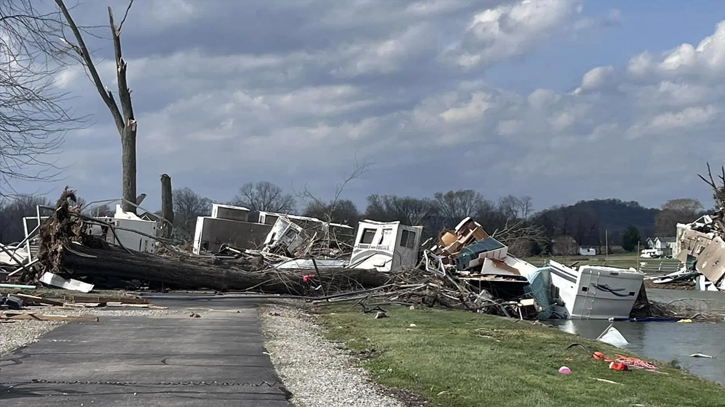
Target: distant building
662, 246
587, 251
665, 245
650, 242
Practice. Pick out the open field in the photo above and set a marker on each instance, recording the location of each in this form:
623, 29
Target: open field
613, 260
462, 359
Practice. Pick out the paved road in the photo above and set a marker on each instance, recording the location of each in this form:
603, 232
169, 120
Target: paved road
173, 360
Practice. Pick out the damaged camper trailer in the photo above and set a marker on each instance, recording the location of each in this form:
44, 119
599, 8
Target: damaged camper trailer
386, 246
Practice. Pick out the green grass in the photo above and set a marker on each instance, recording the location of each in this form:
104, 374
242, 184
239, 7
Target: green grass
458, 359
613, 260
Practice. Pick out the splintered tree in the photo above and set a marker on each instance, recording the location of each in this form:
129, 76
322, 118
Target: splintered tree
33, 118
167, 205
718, 191
123, 117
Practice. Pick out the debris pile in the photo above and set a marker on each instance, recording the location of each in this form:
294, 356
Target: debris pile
465, 268
701, 248
35, 308
700, 245
70, 246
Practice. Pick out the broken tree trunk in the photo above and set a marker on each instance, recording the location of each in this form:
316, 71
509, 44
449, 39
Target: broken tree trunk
124, 117
188, 273
167, 205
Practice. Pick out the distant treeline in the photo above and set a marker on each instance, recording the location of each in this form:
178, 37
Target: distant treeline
585, 222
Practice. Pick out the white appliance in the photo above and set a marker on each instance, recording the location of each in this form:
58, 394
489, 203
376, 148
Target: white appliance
132, 232
595, 292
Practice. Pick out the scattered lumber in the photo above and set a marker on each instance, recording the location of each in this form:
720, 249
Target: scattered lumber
41, 317
93, 299
38, 300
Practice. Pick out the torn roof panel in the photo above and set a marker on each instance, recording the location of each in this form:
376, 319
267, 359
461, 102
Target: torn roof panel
305, 218
377, 222
239, 208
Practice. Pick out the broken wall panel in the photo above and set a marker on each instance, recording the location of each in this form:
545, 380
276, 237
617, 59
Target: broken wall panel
212, 233
711, 262
230, 212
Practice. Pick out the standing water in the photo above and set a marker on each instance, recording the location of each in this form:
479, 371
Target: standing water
668, 341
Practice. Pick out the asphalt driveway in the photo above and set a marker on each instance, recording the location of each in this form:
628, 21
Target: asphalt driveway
172, 360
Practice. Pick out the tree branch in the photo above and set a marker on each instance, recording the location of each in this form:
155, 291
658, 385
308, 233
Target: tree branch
88, 62
120, 26
124, 94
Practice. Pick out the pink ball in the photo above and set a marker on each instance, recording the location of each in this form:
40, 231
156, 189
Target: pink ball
564, 370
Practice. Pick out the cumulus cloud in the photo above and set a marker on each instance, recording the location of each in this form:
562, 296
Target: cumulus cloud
507, 30
402, 84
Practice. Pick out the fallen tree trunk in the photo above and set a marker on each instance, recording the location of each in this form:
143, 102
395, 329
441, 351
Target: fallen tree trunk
189, 274
67, 250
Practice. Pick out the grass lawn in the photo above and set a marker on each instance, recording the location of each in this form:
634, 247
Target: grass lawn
455, 358
613, 260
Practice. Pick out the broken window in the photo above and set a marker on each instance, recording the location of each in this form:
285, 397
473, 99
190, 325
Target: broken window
290, 234
367, 236
407, 239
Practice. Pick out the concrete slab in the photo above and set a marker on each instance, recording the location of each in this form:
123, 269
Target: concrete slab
174, 360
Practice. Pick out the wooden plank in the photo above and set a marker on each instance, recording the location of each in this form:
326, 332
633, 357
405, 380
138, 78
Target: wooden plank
37, 299
98, 299
41, 317
85, 305
146, 306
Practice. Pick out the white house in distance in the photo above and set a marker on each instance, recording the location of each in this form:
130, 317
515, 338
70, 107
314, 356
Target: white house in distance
587, 251
385, 246
662, 246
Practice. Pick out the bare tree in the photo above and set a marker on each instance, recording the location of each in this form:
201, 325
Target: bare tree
521, 237
525, 207
264, 196
101, 211
33, 119
718, 191
188, 205
410, 211
453, 206
331, 207
345, 212
123, 117
513, 207
563, 245
12, 213
674, 211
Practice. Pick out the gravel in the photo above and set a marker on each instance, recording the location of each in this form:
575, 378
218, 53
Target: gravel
315, 370
20, 333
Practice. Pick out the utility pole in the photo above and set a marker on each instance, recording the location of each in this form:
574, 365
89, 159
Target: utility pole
606, 245
638, 265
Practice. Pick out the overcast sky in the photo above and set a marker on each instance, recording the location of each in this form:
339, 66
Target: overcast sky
561, 100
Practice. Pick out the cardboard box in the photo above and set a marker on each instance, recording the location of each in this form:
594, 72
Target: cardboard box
447, 237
